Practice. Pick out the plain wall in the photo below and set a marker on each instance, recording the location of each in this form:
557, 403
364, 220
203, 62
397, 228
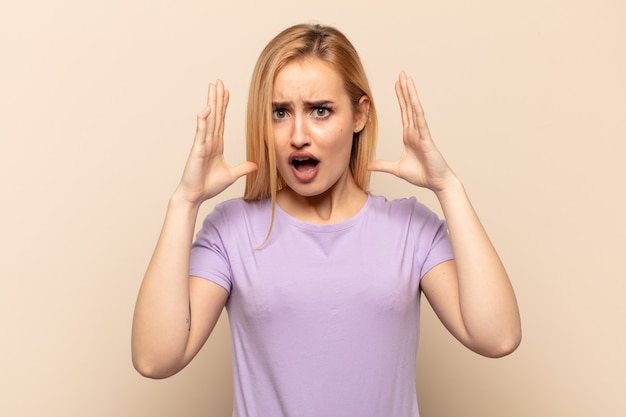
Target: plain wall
97, 113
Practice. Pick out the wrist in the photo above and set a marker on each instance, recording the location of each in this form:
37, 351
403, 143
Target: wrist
453, 186
179, 201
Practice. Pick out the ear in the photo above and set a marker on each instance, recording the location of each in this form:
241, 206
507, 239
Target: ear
361, 113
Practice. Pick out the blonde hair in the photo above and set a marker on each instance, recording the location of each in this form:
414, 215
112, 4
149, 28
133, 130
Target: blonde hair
294, 43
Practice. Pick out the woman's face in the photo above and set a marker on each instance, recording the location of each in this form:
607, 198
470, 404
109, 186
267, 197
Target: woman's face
314, 122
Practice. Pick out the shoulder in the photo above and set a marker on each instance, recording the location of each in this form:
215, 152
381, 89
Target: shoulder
237, 216
237, 211
408, 214
238, 206
403, 207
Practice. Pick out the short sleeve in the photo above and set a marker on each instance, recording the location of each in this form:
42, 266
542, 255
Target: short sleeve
209, 258
432, 237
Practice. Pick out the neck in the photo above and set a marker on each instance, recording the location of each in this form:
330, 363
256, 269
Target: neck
332, 206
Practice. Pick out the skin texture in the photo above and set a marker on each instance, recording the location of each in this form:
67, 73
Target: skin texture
314, 118
175, 313
472, 295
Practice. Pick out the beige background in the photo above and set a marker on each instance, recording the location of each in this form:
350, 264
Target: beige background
97, 111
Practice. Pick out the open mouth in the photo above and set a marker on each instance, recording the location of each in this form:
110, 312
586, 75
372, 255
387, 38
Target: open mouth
304, 164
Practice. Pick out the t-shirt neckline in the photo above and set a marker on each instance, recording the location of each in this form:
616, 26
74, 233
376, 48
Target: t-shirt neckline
331, 227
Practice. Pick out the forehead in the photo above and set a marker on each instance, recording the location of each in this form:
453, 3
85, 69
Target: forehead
308, 79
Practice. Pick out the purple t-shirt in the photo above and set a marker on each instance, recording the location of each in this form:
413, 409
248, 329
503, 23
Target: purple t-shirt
324, 318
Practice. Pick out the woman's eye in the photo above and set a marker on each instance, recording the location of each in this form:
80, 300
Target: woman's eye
321, 112
279, 114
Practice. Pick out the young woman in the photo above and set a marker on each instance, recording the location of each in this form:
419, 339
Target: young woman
321, 279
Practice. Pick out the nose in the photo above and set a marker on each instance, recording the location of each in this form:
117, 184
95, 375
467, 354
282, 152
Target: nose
300, 136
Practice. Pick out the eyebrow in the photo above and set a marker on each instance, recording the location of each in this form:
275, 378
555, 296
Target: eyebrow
308, 104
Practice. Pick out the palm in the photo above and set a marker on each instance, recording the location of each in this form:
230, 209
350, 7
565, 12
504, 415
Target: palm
421, 163
206, 172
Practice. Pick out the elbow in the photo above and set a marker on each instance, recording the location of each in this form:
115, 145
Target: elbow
503, 346
148, 370
153, 362
502, 350
151, 368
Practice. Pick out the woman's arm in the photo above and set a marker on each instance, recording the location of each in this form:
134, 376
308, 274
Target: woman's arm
472, 295
175, 313
164, 337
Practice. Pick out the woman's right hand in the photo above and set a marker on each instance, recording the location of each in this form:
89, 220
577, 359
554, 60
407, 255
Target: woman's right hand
206, 172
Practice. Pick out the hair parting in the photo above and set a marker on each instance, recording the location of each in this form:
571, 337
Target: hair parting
300, 42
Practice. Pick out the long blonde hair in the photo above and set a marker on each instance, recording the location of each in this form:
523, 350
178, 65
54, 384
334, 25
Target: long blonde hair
300, 42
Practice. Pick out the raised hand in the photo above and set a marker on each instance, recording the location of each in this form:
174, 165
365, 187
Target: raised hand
421, 162
206, 173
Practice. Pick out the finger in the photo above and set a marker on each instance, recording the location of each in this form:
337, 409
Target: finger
208, 94
212, 102
219, 107
244, 168
383, 166
223, 117
218, 127
410, 120
420, 118
406, 93
201, 124
401, 101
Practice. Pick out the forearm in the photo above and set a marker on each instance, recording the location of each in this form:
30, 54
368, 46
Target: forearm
487, 301
162, 317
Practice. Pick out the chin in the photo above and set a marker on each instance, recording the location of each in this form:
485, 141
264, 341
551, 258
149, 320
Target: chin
307, 189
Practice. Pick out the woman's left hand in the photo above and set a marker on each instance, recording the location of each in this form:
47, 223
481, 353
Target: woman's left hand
421, 162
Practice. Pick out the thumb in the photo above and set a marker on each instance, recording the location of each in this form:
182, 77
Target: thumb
244, 169
383, 166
